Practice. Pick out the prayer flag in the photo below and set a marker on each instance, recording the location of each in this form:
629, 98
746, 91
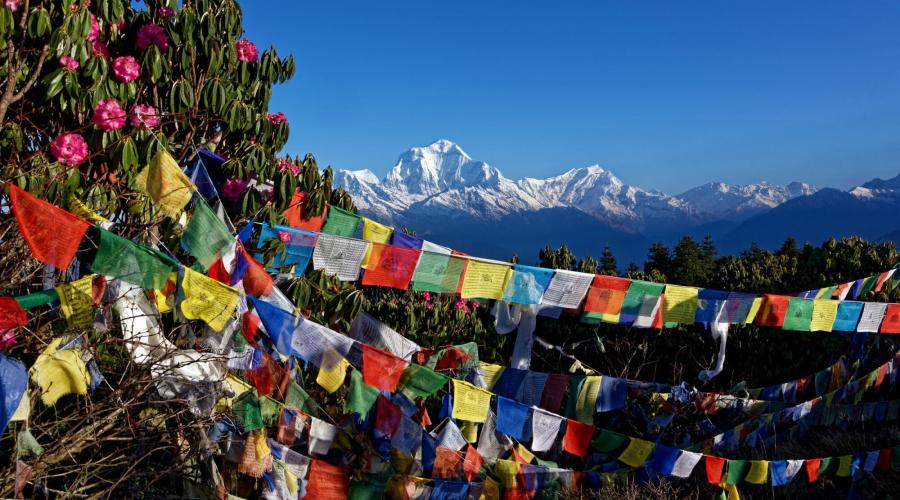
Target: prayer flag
341, 222
663, 458
608, 441
544, 429
529, 393
606, 297
636, 453
472, 462
361, 396
251, 273
612, 394
332, 371
123, 259
567, 289
470, 403
447, 464
376, 233
773, 310
388, 416
507, 470
754, 310
418, 381
339, 256
513, 419
527, 284
438, 273
577, 437
491, 444
382, 369
812, 468
449, 435
735, 471
587, 399
280, 324
872, 313
299, 216
428, 246
714, 467
484, 280
368, 330
891, 322
634, 299
13, 383
76, 302
649, 314
710, 307
737, 308
758, 473
59, 372
882, 278
165, 184
298, 247
799, 314
78, 208
327, 482
408, 436
401, 239
490, 374
450, 490
207, 299
554, 392
680, 304
206, 237
390, 266
52, 234
783, 471
847, 316
685, 463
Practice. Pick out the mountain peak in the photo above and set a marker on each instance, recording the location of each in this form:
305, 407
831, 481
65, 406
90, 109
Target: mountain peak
444, 146
437, 167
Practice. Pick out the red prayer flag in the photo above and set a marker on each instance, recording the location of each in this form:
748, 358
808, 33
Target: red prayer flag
714, 466
249, 326
261, 376
52, 233
387, 416
577, 438
450, 359
812, 468
327, 482
218, 272
257, 281
884, 459
381, 369
447, 463
297, 216
607, 294
554, 392
891, 321
772, 310
391, 266
473, 462
880, 374
11, 313
879, 284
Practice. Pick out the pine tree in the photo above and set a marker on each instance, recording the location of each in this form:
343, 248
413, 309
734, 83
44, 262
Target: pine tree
608, 262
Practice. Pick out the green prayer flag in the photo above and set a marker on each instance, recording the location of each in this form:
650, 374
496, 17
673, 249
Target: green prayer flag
575, 382
369, 488
418, 381
825, 465
736, 471
269, 409
340, 222
206, 237
634, 297
238, 342
799, 314
608, 441
297, 398
136, 264
27, 446
36, 299
247, 411
437, 273
868, 285
592, 318
361, 396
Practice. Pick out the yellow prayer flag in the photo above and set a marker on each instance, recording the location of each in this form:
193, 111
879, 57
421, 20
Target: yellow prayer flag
758, 473
237, 386
76, 302
208, 299
469, 431
165, 184
290, 480
732, 491
680, 304
78, 208
824, 312
490, 373
58, 373
162, 302
491, 489
506, 470
484, 280
525, 453
373, 231
333, 371
469, 402
636, 453
586, 403
754, 308
23, 411
844, 465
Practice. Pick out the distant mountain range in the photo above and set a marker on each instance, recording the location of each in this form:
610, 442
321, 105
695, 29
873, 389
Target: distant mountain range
449, 198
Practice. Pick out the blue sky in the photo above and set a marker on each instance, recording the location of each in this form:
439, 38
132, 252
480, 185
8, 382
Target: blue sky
666, 94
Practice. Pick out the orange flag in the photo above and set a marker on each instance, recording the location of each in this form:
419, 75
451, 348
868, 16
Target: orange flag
381, 369
577, 438
327, 482
773, 310
52, 233
391, 266
297, 217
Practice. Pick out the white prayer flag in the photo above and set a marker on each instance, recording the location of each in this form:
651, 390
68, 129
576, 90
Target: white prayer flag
872, 314
567, 289
544, 428
321, 435
339, 256
685, 463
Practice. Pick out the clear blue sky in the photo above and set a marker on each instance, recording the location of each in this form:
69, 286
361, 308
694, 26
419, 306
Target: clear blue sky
666, 94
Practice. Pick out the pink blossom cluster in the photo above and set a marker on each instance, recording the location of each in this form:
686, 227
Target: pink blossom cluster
144, 116
152, 34
277, 118
166, 12
70, 63
464, 306
109, 115
69, 149
246, 51
232, 189
12, 5
95, 29
126, 69
285, 164
99, 48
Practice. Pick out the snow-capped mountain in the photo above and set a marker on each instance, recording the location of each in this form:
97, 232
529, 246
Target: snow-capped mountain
442, 180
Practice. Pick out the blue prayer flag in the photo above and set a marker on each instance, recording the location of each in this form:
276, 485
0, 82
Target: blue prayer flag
429, 452
449, 490
403, 240
847, 316
612, 394
707, 305
13, 382
532, 388
279, 325
663, 458
527, 284
513, 419
509, 382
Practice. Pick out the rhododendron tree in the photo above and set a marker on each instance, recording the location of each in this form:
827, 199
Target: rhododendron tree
91, 90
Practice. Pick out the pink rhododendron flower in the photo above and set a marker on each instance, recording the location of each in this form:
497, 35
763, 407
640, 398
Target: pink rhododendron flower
276, 118
429, 306
126, 69
95, 29
117, 26
69, 149
144, 116
12, 5
109, 115
166, 12
233, 188
99, 48
426, 296
474, 304
461, 305
284, 236
69, 63
152, 34
246, 51
285, 164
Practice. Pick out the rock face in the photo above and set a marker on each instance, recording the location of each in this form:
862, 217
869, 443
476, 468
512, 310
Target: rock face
438, 187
